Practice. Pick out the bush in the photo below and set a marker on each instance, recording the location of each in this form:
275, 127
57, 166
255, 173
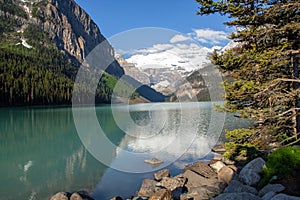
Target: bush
282, 162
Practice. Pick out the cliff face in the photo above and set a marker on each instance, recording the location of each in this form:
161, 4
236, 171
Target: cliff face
70, 27
67, 25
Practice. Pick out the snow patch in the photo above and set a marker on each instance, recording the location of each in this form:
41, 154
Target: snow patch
25, 44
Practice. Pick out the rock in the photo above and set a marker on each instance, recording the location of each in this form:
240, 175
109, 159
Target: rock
76, 196
277, 188
148, 188
238, 187
60, 196
268, 196
237, 196
219, 148
199, 193
175, 185
195, 180
284, 197
202, 169
153, 161
217, 166
226, 174
218, 157
158, 176
117, 198
233, 167
250, 173
229, 162
162, 194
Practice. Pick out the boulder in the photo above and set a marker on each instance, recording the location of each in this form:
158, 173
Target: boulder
148, 188
195, 180
219, 148
199, 193
250, 173
158, 176
268, 196
175, 185
284, 197
202, 169
81, 195
162, 194
238, 187
61, 196
218, 157
225, 174
117, 198
217, 166
237, 196
76, 196
277, 188
153, 161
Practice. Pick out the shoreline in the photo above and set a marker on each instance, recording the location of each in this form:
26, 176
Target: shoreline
220, 179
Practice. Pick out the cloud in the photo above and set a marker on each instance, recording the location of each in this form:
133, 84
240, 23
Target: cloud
209, 36
179, 38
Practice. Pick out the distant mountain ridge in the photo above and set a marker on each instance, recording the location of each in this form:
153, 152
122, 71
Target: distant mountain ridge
50, 39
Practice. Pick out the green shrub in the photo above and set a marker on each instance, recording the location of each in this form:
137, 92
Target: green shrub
239, 146
282, 162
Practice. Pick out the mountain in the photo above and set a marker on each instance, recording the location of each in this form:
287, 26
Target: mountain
181, 70
42, 46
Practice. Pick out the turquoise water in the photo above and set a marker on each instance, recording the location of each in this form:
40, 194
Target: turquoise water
42, 152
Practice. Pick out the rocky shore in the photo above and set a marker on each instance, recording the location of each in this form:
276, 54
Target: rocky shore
220, 179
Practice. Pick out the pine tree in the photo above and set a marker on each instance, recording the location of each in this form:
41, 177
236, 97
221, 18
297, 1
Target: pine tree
263, 67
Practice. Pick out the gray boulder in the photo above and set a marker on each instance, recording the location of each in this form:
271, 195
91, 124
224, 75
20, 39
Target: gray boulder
237, 196
250, 173
237, 187
284, 197
269, 195
277, 188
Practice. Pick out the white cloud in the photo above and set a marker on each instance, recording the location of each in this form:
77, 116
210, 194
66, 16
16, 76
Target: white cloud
209, 36
179, 38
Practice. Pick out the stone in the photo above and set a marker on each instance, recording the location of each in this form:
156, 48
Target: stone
175, 185
233, 167
217, 166
202, 169
250, 173
277, 188
60, 196
81, 195
237, 196
225, 174
75, 196
153, 161
238, 187
218, 157
162, 194
199, 193
285, 197
219, 148
117, 198
158, 176
195, 180
148, 188
269, 195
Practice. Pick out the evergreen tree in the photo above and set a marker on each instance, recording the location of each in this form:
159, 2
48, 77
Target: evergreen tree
263, 67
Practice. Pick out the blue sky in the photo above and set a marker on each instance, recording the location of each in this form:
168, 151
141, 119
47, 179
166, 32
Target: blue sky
115, 16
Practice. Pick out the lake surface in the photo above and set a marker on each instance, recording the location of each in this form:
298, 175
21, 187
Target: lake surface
44, 150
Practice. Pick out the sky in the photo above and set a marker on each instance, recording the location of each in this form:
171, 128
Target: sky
116, 16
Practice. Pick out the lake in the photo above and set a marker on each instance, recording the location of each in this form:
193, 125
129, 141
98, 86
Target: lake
102, 150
